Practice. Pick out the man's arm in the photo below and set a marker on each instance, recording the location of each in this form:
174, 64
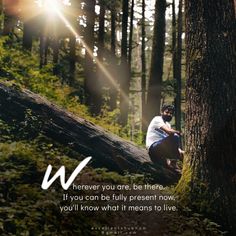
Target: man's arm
169, 130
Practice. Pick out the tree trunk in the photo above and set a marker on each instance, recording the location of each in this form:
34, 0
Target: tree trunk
156, 69
11, 10
143, 59
27, 35
209, 174
113, 62
1, 14
8, 25
90, 89
80, 135
178, 67
101, 46
42, 48
173, 37
174, 55
235, 7
72, 59
55, 48
113, 30
1, 6
124, 70
101, 30
131, 27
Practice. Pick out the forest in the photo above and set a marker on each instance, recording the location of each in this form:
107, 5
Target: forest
83, 78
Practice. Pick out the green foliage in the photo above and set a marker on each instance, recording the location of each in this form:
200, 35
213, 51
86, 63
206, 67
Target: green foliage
197, 224
25, 209
21, 68
103, 175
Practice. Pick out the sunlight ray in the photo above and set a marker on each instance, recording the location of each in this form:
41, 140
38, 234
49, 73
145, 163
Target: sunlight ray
90, 52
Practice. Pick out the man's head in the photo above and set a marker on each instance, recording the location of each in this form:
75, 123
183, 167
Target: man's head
167, 112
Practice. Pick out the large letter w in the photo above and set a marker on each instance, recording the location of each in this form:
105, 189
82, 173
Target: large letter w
61, 172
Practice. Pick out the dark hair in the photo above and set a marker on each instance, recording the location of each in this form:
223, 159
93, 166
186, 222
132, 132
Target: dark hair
168, 107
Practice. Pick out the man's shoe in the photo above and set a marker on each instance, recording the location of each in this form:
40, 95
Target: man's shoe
181, 153
172, 164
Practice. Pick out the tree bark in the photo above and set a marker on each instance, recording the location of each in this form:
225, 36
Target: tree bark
178, 67
80, 135
8, 25
90, 89
209, 174
1, 12
42, 49
101, 31
131, 27
55, 48
27, 35
143, 60
124, 76
72, 59
113, 92
10, 10
100, 80
156, 69
113, 29
174, 56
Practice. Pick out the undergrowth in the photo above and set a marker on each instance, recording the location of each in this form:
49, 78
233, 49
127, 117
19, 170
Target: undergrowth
26, 209
22, 68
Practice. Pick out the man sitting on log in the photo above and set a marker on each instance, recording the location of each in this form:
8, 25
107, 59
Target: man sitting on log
163, 142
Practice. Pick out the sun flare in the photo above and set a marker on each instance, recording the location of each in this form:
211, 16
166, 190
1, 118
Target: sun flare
57, 9
52, 7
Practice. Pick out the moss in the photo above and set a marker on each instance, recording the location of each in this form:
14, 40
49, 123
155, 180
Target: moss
198, 195
183, 188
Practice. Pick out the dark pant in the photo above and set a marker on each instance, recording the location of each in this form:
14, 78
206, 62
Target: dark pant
165, 149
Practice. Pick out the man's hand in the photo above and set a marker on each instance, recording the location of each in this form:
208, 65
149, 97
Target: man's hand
177, 132
169, 130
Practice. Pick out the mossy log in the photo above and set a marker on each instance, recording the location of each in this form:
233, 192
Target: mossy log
106, 149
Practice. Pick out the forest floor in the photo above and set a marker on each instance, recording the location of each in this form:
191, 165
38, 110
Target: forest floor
177, 221
26, 209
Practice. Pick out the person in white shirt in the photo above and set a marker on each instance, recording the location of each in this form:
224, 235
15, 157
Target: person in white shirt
163, 142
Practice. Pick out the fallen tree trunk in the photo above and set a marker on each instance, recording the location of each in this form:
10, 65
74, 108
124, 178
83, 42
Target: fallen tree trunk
107, 149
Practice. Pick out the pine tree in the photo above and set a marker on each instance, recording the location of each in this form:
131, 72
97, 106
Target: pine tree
156, 69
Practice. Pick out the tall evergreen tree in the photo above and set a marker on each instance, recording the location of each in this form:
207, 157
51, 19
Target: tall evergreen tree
10, 14
178, 66
72, 58
113, 59
42, 49
100, 56
209, 172
27, 36
131, 27
174, 52
71, 13
55, 48
143, 60
27, 15
113, 29
125, 75
101, 30
90, 89
156, 69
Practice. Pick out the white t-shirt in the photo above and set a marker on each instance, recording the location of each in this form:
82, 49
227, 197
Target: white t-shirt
154, 132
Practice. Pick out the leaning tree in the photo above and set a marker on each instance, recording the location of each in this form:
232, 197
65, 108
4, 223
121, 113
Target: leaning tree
208, 183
